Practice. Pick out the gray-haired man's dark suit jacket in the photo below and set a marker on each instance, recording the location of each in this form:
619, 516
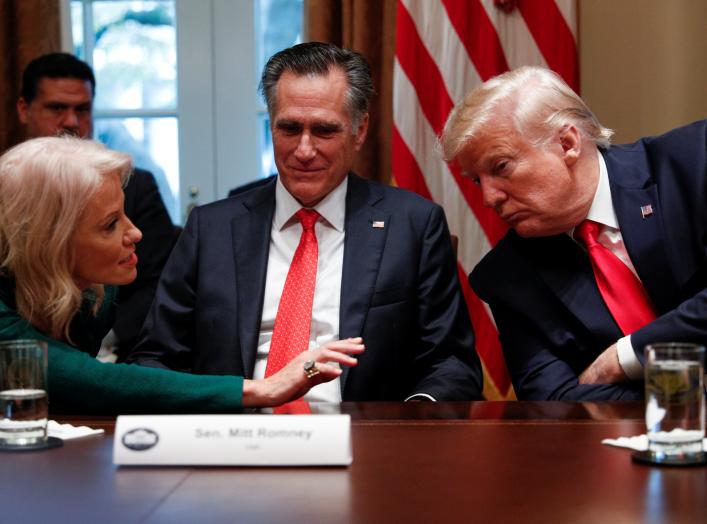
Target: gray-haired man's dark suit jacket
399, 291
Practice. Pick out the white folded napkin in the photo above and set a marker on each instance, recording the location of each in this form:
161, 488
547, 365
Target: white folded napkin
67, 431
639, 442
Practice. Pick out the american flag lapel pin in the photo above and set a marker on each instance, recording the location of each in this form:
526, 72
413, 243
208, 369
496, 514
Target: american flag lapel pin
378, 224
646, 211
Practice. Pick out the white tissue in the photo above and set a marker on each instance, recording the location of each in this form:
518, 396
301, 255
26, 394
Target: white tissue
67, 431
639, 442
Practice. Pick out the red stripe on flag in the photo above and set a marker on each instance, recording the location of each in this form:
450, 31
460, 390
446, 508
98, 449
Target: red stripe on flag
487, 343
422, 71
478, 35
553, 37
436, 104
406, 172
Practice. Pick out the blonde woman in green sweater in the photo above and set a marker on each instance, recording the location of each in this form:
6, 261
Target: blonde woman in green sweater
65, 242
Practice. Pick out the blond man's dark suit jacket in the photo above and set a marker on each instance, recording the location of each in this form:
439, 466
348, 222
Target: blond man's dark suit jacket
551, 319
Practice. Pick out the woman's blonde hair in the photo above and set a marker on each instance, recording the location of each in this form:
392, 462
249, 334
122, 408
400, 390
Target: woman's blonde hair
45, 185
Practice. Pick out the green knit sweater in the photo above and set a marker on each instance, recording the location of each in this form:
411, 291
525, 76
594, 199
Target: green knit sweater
78, 383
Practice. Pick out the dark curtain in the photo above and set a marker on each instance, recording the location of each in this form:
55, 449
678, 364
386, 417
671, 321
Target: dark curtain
28, 28
366, 26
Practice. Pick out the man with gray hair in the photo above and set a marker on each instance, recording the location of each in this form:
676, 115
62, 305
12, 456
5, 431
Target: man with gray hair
318, 254
607, 250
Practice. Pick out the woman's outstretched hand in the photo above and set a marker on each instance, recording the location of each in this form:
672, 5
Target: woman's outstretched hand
292, 381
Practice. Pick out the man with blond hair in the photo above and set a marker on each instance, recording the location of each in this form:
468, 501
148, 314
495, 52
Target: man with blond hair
607, 250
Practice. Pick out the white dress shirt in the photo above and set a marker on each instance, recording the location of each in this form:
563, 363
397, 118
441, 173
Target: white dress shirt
284, 238
602, 212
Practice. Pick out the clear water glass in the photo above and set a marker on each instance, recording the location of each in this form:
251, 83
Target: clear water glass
23, 392
675, 400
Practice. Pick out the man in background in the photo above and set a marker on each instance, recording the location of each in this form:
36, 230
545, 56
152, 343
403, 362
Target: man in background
607, 250
318, 254
56, 98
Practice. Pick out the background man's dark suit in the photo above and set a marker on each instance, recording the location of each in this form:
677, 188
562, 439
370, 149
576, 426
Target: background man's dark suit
551, 319
144, 207
399, 291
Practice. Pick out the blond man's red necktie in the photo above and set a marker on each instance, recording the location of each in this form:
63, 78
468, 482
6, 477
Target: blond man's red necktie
621, 290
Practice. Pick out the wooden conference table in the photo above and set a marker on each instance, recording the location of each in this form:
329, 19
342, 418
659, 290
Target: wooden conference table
448, 462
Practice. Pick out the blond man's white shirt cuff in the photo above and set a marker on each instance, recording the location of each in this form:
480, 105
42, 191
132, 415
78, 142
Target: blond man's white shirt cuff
628, 360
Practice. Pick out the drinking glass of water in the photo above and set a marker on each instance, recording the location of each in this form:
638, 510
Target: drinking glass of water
675, 402
23, 393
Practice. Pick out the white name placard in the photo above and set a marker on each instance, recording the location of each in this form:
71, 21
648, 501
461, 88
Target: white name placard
233, 440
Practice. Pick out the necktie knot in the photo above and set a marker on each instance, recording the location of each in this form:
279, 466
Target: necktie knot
587, 232
308, 217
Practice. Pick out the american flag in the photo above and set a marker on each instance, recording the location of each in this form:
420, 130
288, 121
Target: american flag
445, 48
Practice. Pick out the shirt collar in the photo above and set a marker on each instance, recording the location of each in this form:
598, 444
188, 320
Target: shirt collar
602, 209
332, 207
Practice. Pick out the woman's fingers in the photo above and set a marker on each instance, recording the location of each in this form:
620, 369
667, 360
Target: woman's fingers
351, 346
335, 356
347, 344
326, 372
338, 351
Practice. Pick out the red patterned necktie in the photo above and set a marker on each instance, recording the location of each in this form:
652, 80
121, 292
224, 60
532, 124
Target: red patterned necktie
290, 335
622, 292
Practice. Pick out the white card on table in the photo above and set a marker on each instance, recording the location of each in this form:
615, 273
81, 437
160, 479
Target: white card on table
233, 440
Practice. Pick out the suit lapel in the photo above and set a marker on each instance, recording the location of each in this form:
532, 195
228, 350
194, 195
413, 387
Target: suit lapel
251, 243
565, 268
644, 236
363, 250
